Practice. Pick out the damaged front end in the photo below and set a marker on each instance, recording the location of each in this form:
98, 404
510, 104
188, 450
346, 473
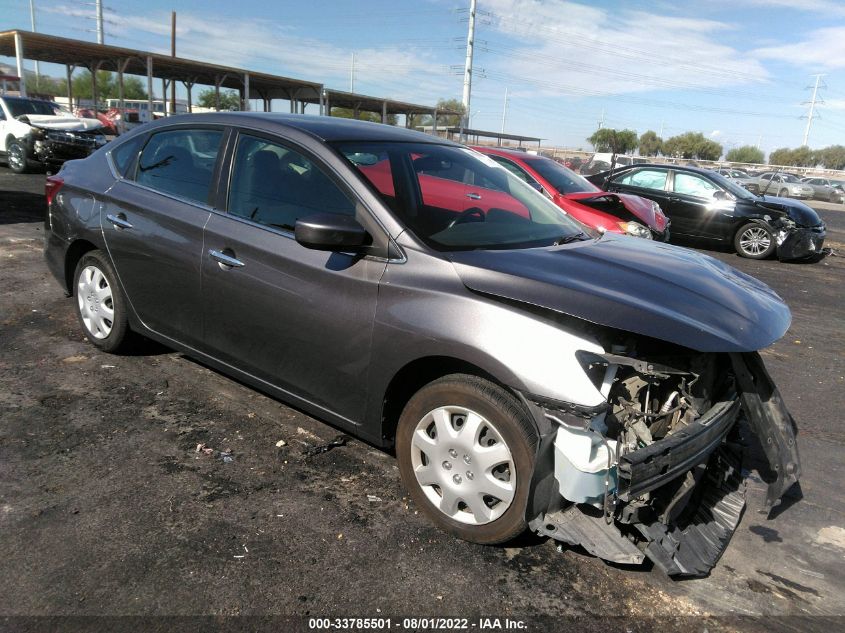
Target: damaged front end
54, 146
798, 242
657, 471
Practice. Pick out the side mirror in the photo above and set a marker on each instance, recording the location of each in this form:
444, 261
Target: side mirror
331, 232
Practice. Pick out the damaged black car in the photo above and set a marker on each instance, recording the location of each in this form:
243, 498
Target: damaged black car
703, 204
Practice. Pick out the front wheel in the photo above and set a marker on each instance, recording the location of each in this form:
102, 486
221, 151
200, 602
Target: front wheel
783, 193
754, 241
16, 156
466, 451
100, 304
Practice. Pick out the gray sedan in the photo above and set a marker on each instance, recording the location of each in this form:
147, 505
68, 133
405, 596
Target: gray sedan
527, 372
827, 189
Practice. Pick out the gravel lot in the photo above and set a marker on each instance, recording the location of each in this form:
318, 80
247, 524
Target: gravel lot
106, 507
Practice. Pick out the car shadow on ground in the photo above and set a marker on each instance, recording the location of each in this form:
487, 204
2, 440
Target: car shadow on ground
22, 206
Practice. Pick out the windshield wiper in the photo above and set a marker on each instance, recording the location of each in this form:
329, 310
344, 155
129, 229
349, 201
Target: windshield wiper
566, 239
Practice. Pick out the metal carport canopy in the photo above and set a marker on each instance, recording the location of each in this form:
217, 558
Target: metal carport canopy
78, 53
358, 102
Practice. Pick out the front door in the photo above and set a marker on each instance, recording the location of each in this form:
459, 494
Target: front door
297, 318
699, 207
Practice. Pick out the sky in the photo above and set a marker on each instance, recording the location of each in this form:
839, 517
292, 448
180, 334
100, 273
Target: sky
738, 71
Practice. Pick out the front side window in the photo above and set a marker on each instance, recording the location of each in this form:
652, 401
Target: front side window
692, 185
180, 162
453, 198
645, 178
274, 185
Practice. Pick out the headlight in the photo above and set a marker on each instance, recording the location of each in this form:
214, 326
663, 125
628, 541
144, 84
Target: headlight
38, 132
636, 229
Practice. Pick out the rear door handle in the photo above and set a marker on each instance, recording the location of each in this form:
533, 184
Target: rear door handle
119, 221
225, 260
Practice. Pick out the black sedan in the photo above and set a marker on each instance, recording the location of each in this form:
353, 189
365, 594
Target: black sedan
704, 204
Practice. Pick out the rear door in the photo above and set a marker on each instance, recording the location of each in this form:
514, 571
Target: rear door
297, 318
153, 221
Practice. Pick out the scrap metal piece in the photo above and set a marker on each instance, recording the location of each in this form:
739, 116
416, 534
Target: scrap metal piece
771, 422
340, 440
574, 526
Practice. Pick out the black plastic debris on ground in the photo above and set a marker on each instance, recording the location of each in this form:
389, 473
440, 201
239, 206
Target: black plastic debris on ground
340, 440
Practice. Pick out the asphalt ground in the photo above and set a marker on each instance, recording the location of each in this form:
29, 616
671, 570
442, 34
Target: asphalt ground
107, 508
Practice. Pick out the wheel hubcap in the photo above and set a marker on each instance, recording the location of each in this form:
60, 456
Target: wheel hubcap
463, 465
755, 241
96, 304
15, 157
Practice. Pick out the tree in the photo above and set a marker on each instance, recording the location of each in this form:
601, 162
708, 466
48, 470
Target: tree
375, 117
832, 157
616, 141
692, 145
799, 157
650, 144
745, 154
107, 86
449, 120
229, 99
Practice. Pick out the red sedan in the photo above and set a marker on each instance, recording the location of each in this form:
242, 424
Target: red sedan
614, 212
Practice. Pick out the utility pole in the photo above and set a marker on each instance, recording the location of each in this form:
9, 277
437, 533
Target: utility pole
99, 5
32, 19
352, 74
505, 110
812, 104
468, 69
173, 54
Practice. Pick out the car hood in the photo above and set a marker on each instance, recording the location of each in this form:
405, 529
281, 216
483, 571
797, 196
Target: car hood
63, 122
795, 209
649, 288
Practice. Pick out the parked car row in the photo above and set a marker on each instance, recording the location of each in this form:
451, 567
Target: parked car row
527, 371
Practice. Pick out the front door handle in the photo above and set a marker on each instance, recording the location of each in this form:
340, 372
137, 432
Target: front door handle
119, 221
225, 261
474, 196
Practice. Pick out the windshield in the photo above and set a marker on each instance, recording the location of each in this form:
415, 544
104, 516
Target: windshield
790, 178
19, 107
729, 185
453, 198
563, 179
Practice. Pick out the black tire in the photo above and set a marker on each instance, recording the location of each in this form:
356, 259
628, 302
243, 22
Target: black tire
17, 157
755, 240
509, 420
112, 334
783, 193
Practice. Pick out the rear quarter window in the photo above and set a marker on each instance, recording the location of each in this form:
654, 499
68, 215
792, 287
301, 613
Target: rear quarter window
123, 156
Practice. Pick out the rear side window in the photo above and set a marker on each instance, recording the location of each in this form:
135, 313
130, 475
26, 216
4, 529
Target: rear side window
275, 185
512, 168
124, 155
645, 178
180, 162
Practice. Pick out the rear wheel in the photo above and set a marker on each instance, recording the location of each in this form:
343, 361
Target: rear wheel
754, 241
466, 455
100, 304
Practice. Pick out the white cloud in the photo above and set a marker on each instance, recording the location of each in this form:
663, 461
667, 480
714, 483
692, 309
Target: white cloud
829, 7
715, 134
821, 49
575, 49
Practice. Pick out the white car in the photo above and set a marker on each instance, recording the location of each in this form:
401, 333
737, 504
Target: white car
36, 132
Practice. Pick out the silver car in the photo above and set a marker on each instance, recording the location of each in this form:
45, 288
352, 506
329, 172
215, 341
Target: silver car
527, 372
780, 184
827, 189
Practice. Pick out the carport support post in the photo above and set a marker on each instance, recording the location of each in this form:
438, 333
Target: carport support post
19, 62
384, 111
95, 92
246, 93
434, 122
150, 86
164, 95
121, 66
69, 72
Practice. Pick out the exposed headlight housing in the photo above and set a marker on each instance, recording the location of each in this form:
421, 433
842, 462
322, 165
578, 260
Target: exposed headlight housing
636, 229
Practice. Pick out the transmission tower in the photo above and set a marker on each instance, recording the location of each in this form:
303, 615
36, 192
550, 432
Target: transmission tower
812, 103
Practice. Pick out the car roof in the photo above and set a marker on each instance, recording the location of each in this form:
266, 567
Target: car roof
326, 128
505, 151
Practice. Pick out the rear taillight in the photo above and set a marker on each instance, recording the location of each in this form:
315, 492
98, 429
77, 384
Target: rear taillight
52, 186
